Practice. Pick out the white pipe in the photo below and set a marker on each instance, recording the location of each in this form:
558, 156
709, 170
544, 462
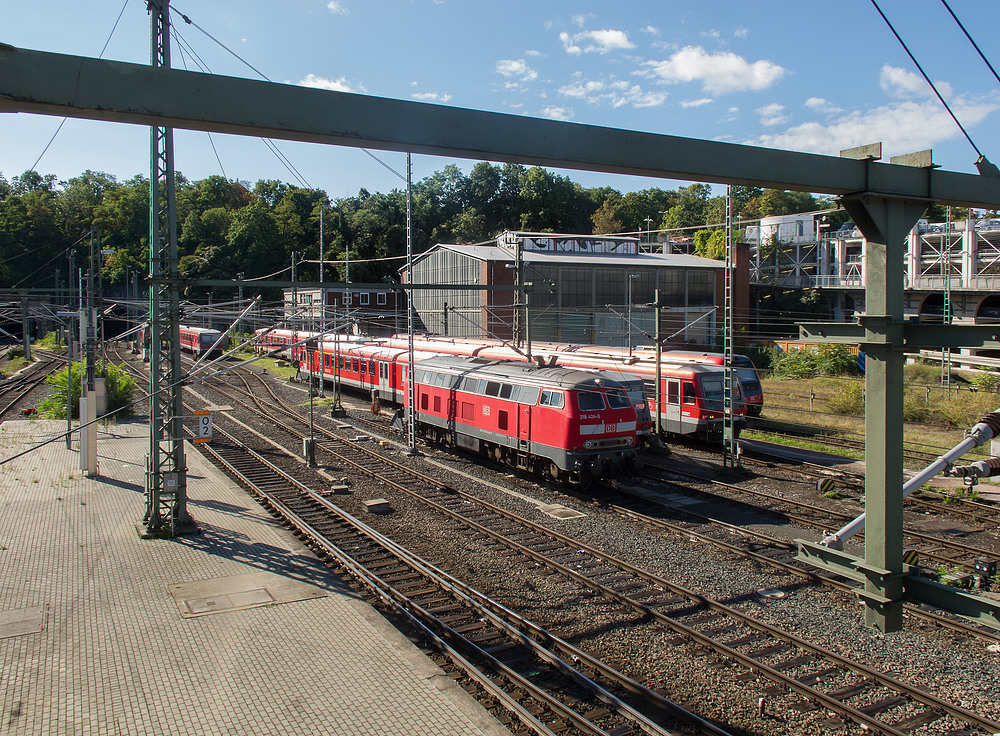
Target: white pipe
982, 433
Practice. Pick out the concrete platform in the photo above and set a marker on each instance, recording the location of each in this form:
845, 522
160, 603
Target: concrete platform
237, 630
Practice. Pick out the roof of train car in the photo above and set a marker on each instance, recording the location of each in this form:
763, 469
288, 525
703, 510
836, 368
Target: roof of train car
200, 330
558, 376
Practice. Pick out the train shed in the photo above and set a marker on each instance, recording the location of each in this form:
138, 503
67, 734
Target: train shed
582, 289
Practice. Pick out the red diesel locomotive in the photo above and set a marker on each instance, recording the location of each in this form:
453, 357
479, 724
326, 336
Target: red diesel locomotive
692, 395
567, 424
527, 416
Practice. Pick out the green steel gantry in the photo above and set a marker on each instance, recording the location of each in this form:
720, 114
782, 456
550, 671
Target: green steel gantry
885, 201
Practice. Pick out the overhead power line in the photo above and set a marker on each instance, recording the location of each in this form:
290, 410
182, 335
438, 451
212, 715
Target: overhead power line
974, 45
927, 79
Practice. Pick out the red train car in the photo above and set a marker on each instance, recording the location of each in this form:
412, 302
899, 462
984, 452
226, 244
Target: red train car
566, 424
267, 340
492, 414
199, 340
692, 394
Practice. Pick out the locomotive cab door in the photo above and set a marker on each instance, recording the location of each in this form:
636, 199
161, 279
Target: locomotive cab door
523, 425
670, 412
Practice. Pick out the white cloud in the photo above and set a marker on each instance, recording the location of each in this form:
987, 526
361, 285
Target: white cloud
771, 115
721, 72
595, 41
430, 97
903, 126
697, 103
822, 106
568, 45
615, 93
516, 68
558, 113
651, 30
534, 53
713, 33
901, 83
741, 32
336, 7
337, 85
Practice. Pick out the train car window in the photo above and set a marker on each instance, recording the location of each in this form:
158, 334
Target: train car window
423, 402
618, 399
468, 411
502, 420
552, 398
688, 393
441, 379
673, 389
492, 388
471, 385
589, 401
354, 366
505, 391
527, 395
437, 404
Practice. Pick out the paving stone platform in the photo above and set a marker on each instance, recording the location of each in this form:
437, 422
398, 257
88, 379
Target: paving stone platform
237, 630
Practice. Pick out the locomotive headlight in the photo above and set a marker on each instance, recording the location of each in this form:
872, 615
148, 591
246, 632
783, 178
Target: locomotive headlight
588, 444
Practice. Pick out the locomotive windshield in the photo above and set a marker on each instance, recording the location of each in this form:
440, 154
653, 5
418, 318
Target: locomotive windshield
590, 401
618, 399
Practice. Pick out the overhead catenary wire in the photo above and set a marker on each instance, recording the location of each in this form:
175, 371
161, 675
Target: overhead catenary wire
100, 56
267, 79
927, 79
974, 44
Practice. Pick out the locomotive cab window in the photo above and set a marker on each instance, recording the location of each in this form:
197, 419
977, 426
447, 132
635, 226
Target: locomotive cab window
553, 399
618, 399
492, 388
590, 401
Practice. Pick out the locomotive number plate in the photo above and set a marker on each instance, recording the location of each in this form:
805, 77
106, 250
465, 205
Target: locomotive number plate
610, 427
486, 411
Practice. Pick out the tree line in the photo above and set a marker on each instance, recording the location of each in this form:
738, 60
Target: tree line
230, 227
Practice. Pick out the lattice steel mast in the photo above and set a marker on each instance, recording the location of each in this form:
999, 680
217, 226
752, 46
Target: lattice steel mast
730, 443
166, 471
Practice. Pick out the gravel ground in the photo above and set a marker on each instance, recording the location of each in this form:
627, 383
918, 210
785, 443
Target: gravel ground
950, 666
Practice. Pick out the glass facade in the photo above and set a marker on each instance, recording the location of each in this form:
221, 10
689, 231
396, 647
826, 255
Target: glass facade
574, 302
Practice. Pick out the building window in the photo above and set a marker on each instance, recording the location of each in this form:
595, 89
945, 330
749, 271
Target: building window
347, 298
382, 299
364, 298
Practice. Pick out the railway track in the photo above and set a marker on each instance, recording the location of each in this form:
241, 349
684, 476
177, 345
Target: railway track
861, 695
932, 547
15, 390
547, 684
912, 455
940, 502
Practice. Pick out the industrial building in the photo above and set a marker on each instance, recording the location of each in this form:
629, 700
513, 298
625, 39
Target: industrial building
948, 270
581, 289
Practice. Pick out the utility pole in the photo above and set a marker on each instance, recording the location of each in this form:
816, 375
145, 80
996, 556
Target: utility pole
24, 328
411, 402
730, 442
166, 470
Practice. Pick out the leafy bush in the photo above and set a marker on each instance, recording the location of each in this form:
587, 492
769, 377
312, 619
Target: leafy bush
121, 391
795, 364
987, 381
829, 360
851, 401
16, 352
837, 360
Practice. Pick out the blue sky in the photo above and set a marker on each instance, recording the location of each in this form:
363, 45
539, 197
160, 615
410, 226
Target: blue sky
791, 74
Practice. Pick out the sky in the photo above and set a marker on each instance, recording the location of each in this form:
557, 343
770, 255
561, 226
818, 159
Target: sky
790, 74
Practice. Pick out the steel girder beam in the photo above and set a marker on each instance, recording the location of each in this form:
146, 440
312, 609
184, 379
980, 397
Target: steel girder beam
56, 84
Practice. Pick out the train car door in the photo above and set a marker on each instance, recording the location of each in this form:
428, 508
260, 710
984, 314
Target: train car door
670, 412
385, 380
523, 424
